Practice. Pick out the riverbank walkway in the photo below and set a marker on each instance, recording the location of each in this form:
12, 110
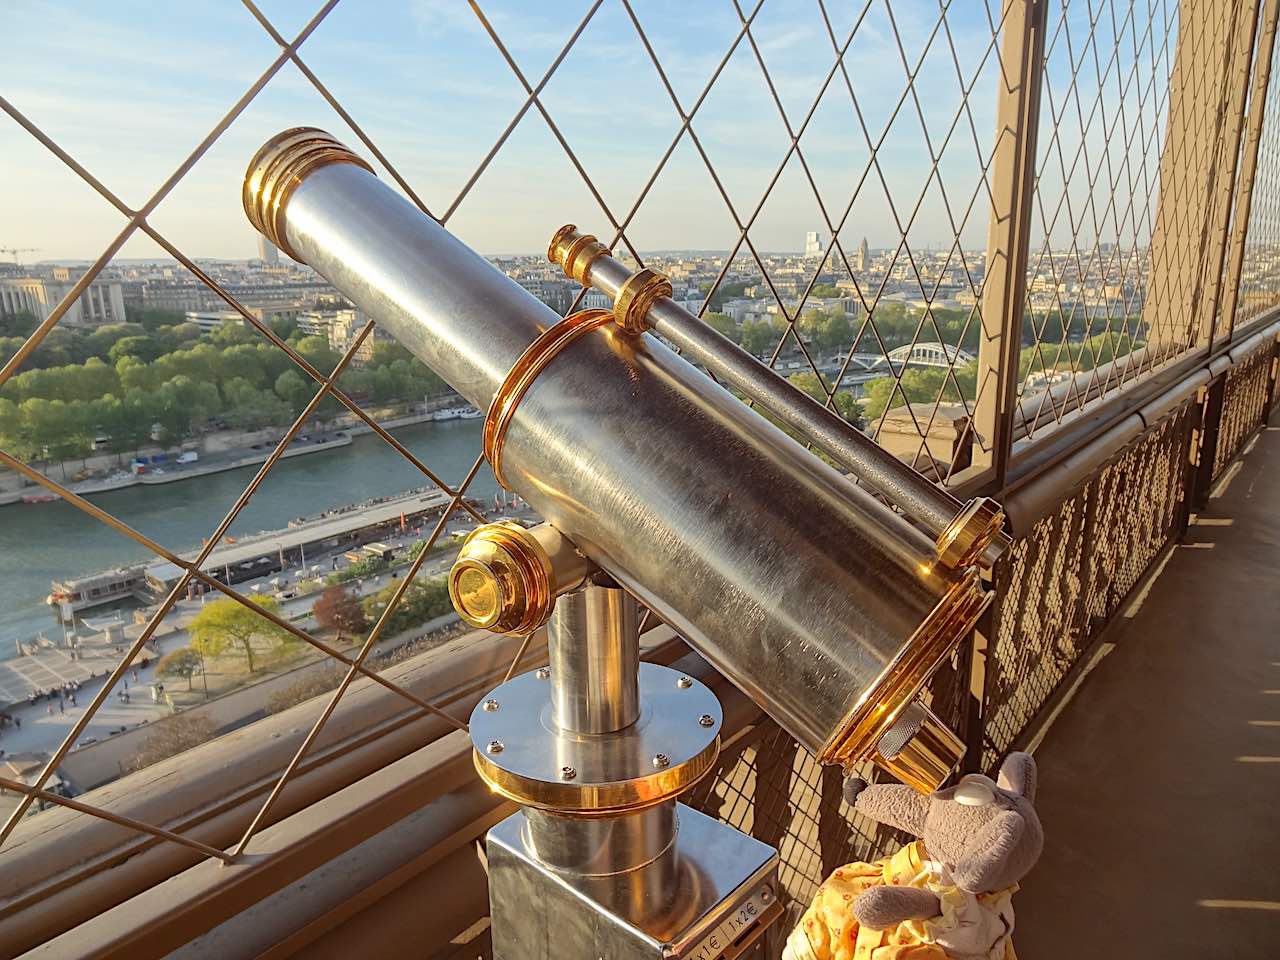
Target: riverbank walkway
45, 670
42, 730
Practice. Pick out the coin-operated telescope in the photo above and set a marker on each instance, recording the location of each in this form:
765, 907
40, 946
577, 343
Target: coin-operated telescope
802, 587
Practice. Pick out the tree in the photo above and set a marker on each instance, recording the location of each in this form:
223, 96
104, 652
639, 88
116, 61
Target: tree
226, 623
318, 353
845, 404
723, 324
338, 610
283, 327
422, 601
291, 388
920, 385
826, 330
251, 408
183, 662
20, 324
387, 352
172, 736
760, 336
142, 348
55, 428
180, 402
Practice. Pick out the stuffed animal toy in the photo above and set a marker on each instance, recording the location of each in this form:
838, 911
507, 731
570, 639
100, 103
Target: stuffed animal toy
947, 895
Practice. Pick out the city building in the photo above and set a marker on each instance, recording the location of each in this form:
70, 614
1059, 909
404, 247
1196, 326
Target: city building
863, 259
268, 252
343, 326
210, 320
101, 302
813, 244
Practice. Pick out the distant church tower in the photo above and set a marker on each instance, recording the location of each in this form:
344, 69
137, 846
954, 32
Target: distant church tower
864, 255
812, 244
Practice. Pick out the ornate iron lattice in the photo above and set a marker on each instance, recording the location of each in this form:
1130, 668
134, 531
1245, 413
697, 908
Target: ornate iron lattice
1244, 404
1106, 98
1061, 583
768, 786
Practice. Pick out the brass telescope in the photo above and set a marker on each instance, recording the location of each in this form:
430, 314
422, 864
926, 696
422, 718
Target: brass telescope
821, 603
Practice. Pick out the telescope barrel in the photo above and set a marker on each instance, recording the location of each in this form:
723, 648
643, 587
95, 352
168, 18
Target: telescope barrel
919, 498
814, 598
826, 429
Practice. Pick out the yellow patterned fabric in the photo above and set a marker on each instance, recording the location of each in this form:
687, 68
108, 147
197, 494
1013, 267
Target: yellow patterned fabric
830, 931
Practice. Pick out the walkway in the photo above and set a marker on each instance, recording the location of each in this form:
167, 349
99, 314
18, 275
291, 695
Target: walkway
1160, 781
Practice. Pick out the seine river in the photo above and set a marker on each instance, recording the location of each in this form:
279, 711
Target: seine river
48, 541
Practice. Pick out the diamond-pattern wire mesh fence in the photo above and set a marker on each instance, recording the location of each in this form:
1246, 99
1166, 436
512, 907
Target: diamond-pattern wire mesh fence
1104, 110
771, 788
767, 785
1260, 270
954, 147
893, 326
1244, 404
1060, 584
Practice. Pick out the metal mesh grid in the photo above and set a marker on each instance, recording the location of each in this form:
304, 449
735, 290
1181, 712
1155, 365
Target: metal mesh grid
1244, 404
1058, 585
1106, 96
943, 49
769, 787
1098, 177
1259, 289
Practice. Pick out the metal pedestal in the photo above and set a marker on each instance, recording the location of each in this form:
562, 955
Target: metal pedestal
602, 862
716, 896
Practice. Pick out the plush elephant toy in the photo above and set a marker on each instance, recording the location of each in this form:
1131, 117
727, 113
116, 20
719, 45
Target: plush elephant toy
945, 896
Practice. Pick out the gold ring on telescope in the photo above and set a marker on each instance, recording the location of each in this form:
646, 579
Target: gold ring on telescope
575, 252
636, 296
276, 170
521, 376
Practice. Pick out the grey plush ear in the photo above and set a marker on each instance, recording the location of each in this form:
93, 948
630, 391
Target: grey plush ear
987, 861
894, 805
1018, 774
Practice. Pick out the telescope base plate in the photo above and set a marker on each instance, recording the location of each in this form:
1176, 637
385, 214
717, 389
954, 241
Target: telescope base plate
523, 755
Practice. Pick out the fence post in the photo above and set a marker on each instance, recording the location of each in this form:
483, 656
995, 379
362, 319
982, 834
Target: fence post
1249, 162
1013, 169
1236, 62
1205, 443
1198, 167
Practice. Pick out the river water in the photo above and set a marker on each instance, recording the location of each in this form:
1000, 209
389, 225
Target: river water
47, 541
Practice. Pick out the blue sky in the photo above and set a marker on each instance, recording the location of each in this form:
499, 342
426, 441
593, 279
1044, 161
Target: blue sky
129, 87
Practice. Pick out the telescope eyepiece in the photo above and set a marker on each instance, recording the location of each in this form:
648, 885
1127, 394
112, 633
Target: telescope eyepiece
278, 167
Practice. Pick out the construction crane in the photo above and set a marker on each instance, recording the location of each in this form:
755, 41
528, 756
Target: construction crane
14, 251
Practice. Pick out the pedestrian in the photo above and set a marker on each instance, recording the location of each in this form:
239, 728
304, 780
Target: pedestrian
17, 722
73, 699
49, 708
61, 706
